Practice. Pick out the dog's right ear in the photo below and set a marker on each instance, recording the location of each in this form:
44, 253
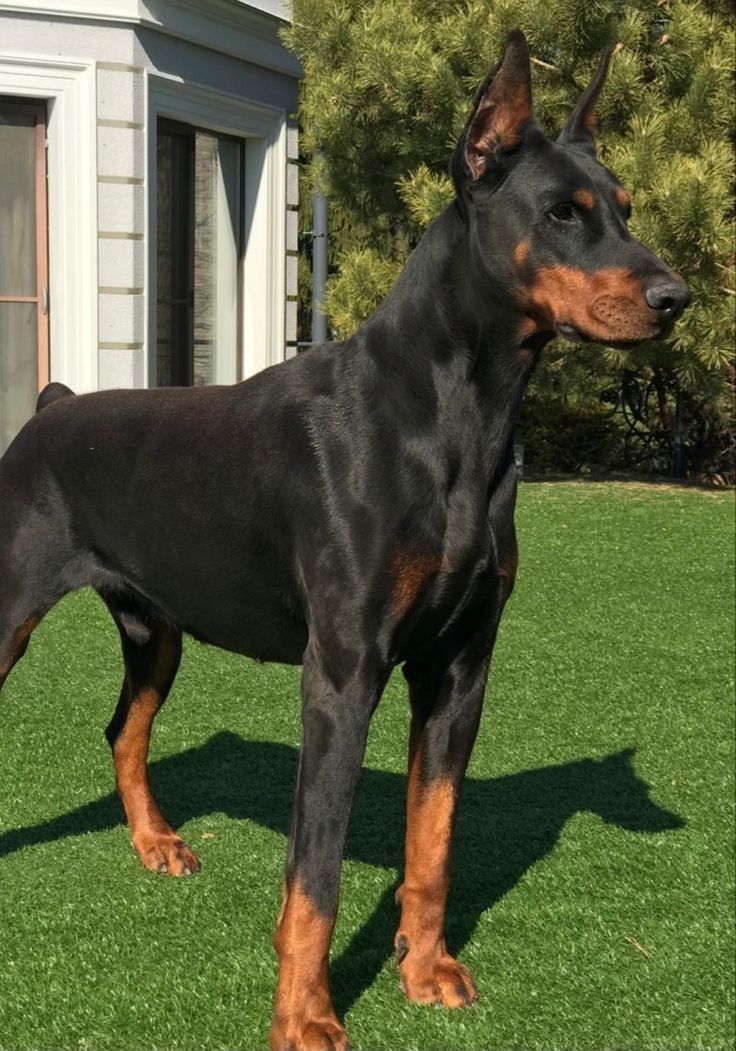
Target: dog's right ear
582, 126
501, 107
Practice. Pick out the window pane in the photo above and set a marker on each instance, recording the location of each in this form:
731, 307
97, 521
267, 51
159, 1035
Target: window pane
205, 256
229, 197
17, 208
173, 263
163, 258
199, 194
18, 368
164, 350
218, 191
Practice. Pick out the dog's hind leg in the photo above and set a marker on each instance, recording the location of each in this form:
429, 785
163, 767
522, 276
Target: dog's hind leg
26, 595
14, 643
34, 551
151, 651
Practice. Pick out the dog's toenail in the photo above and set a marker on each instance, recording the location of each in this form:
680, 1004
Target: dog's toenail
402, 948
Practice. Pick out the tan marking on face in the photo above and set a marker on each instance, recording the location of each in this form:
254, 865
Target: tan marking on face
607, 305
527, 328
623, 198
410, 571
585, 199
527, 355
521, 253
303, 1013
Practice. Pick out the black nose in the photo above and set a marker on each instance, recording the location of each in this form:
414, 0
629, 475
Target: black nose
667, 298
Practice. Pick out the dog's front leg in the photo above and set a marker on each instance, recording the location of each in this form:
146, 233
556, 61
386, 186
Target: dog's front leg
338, 699
446, 704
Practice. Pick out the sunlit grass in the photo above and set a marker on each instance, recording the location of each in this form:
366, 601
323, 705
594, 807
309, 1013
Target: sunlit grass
593, 891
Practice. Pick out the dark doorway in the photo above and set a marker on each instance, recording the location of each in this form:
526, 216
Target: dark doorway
24, 291
199, 255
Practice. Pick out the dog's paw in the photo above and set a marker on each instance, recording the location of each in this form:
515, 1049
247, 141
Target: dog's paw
166, 853
323, 1035
441, 980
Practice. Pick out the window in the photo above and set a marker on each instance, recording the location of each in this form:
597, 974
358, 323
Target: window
199, 254
24, 330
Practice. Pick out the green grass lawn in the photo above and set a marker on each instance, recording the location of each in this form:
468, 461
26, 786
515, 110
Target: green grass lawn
593, 888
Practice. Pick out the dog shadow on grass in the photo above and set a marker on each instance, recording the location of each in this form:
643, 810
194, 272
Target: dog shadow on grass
505, 825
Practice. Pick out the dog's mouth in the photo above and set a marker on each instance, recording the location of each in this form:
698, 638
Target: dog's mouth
570, 333
613, 306
573, 334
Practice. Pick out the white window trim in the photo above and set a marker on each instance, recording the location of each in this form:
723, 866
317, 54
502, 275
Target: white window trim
263, 128
68, 87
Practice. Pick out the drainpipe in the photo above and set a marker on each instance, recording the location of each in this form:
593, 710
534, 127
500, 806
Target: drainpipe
319, 266
680, 461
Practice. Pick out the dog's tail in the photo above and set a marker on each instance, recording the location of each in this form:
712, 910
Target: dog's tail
53, 392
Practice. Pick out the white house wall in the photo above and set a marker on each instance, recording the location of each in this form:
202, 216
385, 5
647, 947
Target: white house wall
123, 60
121, 217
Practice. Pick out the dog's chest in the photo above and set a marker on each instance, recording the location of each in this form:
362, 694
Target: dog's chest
453, 580
432, 597
437, 581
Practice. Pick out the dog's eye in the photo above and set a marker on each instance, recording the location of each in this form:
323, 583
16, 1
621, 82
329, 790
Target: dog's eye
563, 213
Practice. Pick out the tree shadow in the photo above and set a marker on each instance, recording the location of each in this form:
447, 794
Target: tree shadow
505, 825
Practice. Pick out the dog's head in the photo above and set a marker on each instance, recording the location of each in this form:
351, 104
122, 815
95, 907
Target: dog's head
556, 218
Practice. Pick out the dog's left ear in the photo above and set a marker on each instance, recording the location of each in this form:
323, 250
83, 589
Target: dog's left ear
582, 125
502, 105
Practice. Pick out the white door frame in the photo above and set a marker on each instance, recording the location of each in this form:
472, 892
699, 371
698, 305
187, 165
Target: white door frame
68, 87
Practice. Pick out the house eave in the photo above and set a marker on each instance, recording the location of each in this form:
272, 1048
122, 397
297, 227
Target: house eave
233, 28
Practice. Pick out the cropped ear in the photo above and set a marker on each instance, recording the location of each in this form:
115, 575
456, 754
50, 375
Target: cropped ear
582, 125
501, 107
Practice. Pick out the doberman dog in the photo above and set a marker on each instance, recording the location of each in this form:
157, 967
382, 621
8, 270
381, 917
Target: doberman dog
349, 510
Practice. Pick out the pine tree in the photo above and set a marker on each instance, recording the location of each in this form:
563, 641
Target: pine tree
386, 91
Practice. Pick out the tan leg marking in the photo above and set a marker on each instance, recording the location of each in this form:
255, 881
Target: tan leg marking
428, 973
155, 842
303, 1018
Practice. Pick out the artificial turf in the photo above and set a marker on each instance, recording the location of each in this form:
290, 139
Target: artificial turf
593, 875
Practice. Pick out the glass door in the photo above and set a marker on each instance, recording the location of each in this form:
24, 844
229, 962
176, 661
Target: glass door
199, 255
24, 322
175, 260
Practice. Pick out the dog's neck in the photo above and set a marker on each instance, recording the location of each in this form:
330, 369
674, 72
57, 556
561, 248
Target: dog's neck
446, 325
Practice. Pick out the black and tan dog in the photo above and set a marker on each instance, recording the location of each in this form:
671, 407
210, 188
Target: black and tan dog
350, 510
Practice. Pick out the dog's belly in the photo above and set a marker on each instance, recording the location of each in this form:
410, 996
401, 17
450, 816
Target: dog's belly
265, 634
227, 610
222, 595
